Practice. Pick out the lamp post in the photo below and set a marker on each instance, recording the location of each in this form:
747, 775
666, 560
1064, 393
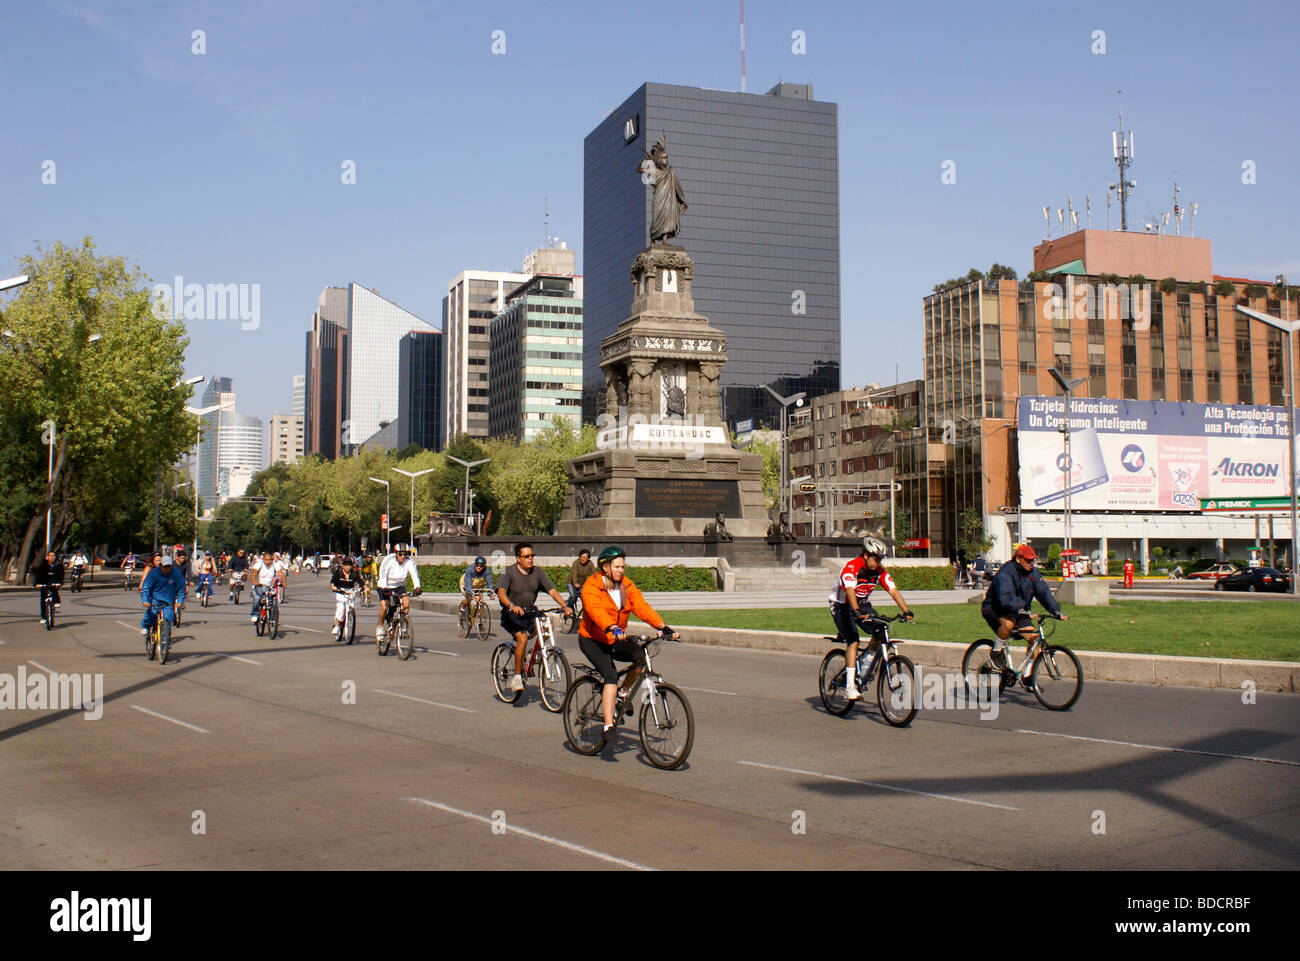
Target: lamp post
388, 514
1067, 467
412, 475
469, 498
1288, 327
785, 402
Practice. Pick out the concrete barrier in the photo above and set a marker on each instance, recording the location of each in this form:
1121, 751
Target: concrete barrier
1084, 592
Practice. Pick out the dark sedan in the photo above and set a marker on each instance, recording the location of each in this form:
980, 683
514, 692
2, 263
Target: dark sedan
1254, 579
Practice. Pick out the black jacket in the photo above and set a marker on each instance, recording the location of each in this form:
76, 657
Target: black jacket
45, 573
1013, 590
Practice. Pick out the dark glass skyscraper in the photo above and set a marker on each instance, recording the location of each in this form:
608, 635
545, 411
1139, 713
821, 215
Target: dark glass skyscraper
761, 177
421, 390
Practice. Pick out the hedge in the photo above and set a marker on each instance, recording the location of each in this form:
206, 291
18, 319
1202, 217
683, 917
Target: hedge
445, 578
939, 578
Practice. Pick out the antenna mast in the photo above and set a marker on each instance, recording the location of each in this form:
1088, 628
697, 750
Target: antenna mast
546, 221
742, 46
1122, 145
1178, 213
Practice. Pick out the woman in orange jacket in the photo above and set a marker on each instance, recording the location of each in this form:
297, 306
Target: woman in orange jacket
608, 598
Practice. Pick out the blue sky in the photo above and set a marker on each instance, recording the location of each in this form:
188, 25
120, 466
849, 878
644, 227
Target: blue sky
226, 167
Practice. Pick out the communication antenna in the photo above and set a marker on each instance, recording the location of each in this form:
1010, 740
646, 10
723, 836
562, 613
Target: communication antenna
1122, 147
1178, 213
1110, 189
1191, 223
1087, 201
1069, 206
546, 219
742, 46
1048, 217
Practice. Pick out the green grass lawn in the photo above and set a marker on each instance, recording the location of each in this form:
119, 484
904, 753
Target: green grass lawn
1264, 630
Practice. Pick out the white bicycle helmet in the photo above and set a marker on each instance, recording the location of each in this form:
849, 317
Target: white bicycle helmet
870, 545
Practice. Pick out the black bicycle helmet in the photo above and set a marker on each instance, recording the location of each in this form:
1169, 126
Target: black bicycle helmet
609, 553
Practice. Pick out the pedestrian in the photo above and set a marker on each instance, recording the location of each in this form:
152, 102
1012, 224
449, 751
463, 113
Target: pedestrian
1128, 572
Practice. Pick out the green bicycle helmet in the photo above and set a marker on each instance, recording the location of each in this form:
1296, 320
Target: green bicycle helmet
609, 553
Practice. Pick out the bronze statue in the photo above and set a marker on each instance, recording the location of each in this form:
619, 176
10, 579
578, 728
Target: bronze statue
718, 529
669, 201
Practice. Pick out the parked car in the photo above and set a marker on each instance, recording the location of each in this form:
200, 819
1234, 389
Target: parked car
1254, 579
1213, 573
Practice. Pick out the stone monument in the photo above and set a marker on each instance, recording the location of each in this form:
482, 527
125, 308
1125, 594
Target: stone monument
664, 464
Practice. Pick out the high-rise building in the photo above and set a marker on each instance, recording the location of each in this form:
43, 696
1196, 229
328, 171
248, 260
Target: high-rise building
761, 179
421, 390
286, 438
231, 440
473, 298
299, 395
326, 388
376, 327
536, 345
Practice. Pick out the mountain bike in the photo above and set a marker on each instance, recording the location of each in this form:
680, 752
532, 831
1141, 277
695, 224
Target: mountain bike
268, 615
666, 724
348, 629
476, 617
571, 621
547, 663
158, 642
895, 682
396, 630
47, 606
236, 586
77, 574
126, 579
1050, 672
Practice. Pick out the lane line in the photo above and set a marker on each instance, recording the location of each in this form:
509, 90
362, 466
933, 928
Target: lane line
452, 707
706, 690
129, 627
41, 666
429, 650
886, 787
1161, 747
234, 657
544, 838
192, 727
295, 627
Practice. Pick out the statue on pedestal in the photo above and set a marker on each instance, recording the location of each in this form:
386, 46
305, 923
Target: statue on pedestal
669, 201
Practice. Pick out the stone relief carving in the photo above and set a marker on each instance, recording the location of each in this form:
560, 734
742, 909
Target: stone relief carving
589, 499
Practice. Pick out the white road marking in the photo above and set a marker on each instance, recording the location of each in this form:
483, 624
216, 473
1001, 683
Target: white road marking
544, 838
129, 627
452, 707
886, 787
706, 690
1160, 747
428, 650
234, 657
41, 666
297, 628
164, 717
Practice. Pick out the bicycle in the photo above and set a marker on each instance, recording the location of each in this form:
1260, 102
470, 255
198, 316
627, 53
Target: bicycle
397, 628
367, 586
348, 629
475, 617
205, 589
553, 672
158, 642
268, 615
47, 606
236, 586
666, 717
895, 684
1054, 675
77, 574
277, 588
571, 621
126, 579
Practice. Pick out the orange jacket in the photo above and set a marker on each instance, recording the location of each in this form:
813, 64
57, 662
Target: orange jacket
599, 612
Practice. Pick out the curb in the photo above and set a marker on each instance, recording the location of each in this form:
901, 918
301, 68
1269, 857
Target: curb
1158, 669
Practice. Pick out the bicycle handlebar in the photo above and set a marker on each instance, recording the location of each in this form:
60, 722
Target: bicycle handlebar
887, 618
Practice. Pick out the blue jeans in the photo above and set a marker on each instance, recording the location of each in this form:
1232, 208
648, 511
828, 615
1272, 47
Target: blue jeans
258, 591
151, 614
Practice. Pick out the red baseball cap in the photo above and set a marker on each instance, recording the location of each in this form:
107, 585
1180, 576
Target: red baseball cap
1027, 552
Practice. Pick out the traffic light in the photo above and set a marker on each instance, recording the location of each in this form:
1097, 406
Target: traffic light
807, 488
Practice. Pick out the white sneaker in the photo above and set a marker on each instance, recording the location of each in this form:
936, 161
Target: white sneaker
852, 693
335, 631
144, 632
516, 683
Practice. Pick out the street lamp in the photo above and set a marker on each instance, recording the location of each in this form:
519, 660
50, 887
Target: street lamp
785, 402
412, 476
1288, 327
469, 497
387, 512
1068, 468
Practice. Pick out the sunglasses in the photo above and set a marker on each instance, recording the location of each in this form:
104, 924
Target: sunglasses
524, 557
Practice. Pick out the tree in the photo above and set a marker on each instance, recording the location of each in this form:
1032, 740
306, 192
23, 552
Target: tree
1168, 285
116, 405
1225, 288
770, 451
973, 538
1000, 272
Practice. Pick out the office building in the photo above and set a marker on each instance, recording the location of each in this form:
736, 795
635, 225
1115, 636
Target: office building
326, 378
376, 327
473, 298
299, 395
286, 438
536, 348
760, 173
230, 440
421, 390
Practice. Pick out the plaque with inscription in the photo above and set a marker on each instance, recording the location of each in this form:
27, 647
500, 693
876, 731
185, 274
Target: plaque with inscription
670, 497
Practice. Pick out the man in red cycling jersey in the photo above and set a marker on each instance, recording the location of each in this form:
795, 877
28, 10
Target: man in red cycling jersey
850, 601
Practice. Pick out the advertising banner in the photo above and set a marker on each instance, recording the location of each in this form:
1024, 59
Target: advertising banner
1130, 455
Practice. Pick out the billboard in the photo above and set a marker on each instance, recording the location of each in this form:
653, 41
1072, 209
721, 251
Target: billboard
1145, 455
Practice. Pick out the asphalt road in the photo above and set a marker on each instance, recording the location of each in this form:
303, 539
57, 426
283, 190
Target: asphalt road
251, 741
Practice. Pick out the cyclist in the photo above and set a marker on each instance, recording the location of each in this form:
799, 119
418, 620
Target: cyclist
238, 567
207, 573
517, 590
1013, 590
579, 571
78, 562
851, 603
154, 560
263, 571
163, 585
128, 565
392, 585
608, 598
345, 579
48, 576
477, 577
282, 571
182, 564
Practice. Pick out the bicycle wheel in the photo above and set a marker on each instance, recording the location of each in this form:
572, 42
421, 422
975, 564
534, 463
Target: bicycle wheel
979, 669
553, 677
273, 621
667, 727
571, 621
896, 691
385, 640
831, 683
164, 640
405, 638
503, 669
350, 625
482, 623
49, 613
463, 621
151, 642
1056, 678
583, 721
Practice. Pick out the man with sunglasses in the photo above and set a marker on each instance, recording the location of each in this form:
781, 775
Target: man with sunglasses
517, 591
393, 573
477, 577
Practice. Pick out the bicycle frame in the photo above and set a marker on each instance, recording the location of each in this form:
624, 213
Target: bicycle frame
877, 654
648, 680
543, 636
1039, 642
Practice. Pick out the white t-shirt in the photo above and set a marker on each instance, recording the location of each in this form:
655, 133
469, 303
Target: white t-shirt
263, 572
392, 574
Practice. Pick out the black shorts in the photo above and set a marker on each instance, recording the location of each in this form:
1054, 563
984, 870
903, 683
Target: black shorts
392, 594
603, 656
845, 622
516, 625
993, 619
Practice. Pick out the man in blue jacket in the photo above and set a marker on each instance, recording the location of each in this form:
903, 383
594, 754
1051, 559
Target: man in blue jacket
164, 585
1014, 588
